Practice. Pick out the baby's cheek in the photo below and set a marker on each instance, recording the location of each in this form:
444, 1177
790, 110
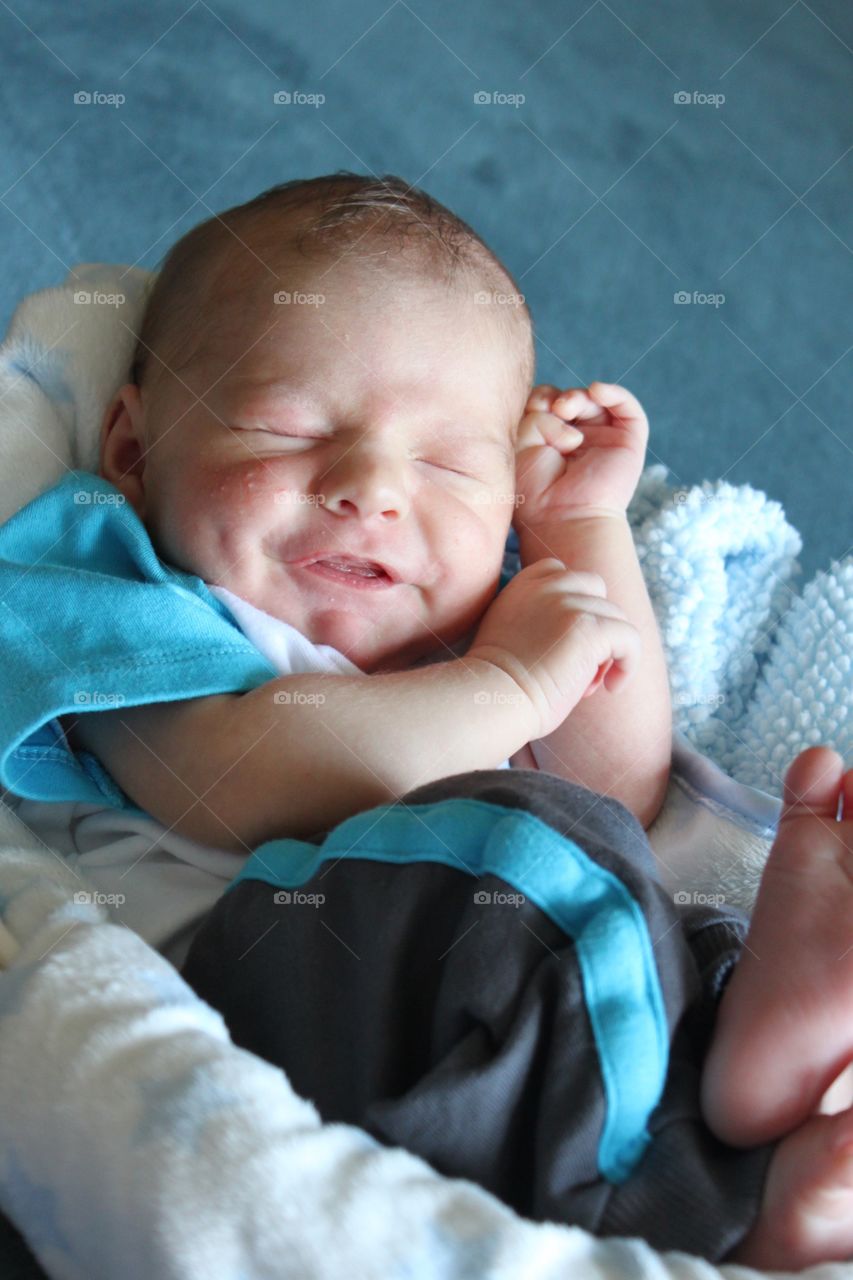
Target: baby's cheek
473, 556
240, 488
213, 511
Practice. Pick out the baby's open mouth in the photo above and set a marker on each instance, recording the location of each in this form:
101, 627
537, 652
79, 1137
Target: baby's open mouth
346, 564
353, 571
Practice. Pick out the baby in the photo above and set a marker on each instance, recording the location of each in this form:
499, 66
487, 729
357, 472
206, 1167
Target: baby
331, 416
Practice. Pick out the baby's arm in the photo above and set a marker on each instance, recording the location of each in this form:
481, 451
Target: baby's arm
581, 454
618, 745
299, 754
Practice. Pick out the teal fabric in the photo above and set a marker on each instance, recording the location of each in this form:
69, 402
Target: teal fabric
91, 620
590, 904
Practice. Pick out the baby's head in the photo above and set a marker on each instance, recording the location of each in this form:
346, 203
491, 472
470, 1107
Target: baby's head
335, 370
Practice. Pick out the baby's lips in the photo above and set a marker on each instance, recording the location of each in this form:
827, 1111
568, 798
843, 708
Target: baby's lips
598, 677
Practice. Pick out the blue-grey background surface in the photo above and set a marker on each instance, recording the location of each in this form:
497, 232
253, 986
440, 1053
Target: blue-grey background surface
603, 194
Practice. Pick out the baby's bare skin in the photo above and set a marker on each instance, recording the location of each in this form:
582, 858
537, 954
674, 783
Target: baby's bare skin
785, 1027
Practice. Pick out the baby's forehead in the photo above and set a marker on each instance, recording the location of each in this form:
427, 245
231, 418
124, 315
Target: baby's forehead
410, 355
247, 327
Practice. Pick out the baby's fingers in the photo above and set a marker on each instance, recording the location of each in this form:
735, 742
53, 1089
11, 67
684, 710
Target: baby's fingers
626, 646
597, 678
541, 398
538, 428
619, 402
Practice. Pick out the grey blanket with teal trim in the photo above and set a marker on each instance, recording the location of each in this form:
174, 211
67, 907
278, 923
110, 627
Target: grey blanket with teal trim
489, 974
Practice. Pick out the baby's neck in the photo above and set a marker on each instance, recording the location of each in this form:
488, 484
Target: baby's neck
439, 652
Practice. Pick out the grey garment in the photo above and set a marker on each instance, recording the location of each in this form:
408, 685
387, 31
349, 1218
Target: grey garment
399, 1004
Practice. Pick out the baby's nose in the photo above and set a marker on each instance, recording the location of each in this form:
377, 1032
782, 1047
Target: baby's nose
367, 482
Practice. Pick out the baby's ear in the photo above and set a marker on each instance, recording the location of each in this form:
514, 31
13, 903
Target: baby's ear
123, 448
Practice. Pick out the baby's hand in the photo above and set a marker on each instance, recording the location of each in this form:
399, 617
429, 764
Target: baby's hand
555, 632
579, 452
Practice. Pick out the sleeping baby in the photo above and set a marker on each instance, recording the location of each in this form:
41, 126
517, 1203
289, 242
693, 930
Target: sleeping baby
444, 921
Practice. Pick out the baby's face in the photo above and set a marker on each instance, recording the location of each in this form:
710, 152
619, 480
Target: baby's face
373, 426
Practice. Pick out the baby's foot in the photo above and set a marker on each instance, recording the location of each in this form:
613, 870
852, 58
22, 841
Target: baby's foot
806, 1213
785, 1025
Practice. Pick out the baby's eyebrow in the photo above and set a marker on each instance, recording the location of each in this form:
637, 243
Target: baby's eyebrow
308, 394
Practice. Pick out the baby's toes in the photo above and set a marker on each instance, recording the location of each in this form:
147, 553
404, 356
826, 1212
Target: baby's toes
806, 1214
812, 784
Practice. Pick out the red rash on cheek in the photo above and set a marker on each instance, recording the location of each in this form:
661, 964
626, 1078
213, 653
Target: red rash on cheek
225, 481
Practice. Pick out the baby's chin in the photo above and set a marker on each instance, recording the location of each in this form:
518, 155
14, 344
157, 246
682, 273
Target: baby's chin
372, 644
